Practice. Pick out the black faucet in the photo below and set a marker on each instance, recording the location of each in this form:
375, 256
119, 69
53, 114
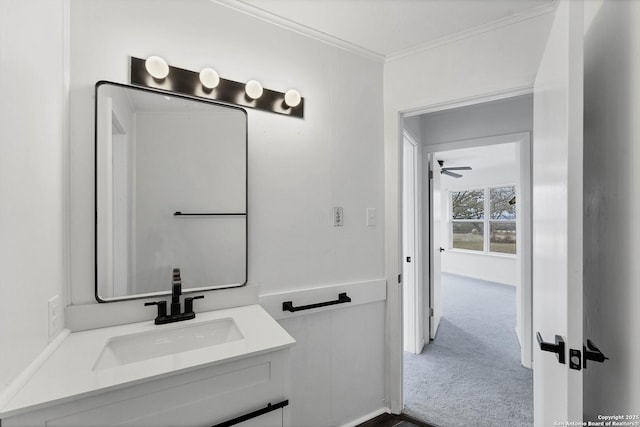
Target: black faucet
176, 291
175, 314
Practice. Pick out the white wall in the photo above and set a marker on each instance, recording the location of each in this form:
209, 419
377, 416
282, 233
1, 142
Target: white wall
611, 188
32, 176
500, 117
298, 170
491, 63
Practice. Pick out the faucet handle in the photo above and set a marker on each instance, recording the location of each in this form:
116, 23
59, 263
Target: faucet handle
162, 307
188, 303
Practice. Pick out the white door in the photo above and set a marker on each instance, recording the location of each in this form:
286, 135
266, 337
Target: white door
557, 216
413, 329
437, 244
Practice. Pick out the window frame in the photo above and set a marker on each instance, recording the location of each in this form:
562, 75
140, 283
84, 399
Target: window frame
486, 220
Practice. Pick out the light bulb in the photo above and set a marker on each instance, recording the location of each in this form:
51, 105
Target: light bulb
209, 78
253, 88
157, 67
292, 98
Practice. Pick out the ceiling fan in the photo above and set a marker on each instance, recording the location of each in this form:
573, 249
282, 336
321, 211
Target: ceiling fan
447, 171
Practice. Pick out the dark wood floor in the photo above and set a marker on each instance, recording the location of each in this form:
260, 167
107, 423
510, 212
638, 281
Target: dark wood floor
389, 420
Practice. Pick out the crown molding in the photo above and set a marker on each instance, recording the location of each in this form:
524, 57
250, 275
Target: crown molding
264, 15
256, 12
480, 29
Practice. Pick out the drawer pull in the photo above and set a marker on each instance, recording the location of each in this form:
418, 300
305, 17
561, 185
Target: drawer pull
254, 414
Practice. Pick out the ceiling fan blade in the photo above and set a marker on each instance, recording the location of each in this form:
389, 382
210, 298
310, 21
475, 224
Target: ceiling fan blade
459, 168
446, 172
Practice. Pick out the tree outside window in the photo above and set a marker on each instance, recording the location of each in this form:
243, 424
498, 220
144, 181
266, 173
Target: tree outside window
472, 230
467, 208
502, 222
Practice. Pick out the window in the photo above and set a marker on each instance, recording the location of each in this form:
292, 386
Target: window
467, 225
472, 230
502, 222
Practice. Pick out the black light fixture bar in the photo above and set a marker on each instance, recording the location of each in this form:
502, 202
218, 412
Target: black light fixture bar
187, 82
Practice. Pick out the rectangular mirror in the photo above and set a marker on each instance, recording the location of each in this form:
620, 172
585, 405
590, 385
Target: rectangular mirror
171, 192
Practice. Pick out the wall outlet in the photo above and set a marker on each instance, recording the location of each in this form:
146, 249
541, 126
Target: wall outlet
338, 217
55, 316
371, 217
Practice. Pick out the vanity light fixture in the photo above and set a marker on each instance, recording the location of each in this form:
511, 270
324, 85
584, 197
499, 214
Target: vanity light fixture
157, 67
253, 88
209, 78
155, 73
292, 98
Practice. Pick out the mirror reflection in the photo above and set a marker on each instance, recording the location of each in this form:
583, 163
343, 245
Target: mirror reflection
171, 192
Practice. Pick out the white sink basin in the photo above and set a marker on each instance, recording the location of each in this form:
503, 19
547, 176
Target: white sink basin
132, 348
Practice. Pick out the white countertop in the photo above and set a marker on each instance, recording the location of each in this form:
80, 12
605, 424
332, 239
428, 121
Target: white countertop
69, 372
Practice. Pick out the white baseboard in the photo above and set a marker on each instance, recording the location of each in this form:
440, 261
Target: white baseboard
367, 417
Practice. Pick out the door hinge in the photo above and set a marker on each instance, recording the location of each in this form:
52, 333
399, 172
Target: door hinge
399, 278
430, 311
430, 174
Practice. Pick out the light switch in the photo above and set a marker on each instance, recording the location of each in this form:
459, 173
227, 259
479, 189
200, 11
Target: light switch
371, 217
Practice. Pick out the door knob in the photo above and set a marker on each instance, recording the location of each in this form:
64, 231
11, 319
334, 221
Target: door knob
441, 249
408, 259
557, 348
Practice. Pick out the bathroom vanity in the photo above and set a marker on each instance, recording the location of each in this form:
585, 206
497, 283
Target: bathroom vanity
171, 195
226, 367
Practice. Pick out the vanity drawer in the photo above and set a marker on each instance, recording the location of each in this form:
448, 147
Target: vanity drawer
203, 397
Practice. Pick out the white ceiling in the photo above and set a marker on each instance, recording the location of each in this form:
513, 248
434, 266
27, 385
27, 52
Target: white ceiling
387, 28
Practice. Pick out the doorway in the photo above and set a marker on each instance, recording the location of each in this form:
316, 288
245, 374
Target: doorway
438, 234
474, 359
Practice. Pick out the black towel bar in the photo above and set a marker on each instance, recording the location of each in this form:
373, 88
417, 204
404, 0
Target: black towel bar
342, 298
